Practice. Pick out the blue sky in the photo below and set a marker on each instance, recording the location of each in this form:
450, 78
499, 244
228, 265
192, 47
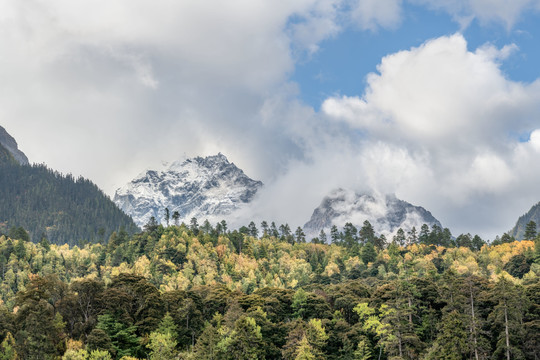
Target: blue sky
343, 61
436, 101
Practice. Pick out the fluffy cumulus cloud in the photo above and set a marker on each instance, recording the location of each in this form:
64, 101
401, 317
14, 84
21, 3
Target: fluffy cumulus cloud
453, 115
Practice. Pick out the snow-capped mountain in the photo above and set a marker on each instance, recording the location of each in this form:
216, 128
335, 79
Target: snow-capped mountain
386, 213
204, 188
9, 143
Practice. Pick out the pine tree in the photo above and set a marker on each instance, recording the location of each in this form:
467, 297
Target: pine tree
530, 231
363, 350
100, 355
506, 319
167, 216
176, 218
412, 236
350, 235
368, 253
477, 243
206, 347
7, 348
264, 227
162, 346
273, 230
400, 238
300, 236
322, 237
304, 350
253, 231
452, 340
397, 334
194, 226
123, 338
334, 235
317, 337
299, 303
367, 233
245, 340
424, 235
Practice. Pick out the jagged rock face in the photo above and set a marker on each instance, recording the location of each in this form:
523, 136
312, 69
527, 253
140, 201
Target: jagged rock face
386, 213
204, 188
532, 215
9, 143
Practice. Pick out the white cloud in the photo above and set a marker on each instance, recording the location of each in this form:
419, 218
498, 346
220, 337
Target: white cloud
119, 86
534, 140
371, 14
439, 92
438, 121
486, 11
108, 88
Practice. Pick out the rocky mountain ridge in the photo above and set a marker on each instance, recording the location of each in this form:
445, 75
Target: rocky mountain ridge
204, 188
386, 213
9, 143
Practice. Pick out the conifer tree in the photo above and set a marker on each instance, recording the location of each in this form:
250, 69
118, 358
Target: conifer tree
176, 218
335, 235
100, 355
8, 348
245, 340
400, 238
300, 236
451, 342
363, 350
368, 253
167, 216
162, 346
412, 236
253, 231
506, 319
304, 350
273, 230
530, 231
194, 226
264, 227
322, 237
367, 233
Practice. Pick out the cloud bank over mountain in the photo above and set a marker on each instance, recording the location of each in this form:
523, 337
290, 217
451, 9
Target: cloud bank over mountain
107, 89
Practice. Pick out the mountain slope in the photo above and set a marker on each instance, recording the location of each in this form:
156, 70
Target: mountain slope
8, 143
6, 157
532, 215
385, 213
64, 208
45, 202
209, 187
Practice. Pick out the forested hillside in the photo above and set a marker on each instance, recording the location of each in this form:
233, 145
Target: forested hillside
6, 157
524, 222
61, 208
204, 292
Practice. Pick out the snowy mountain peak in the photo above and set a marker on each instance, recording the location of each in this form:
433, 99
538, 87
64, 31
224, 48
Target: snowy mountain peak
386, 213
209, 187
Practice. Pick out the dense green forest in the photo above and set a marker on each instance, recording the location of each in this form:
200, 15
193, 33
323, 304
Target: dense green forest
205, 292
49, 204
